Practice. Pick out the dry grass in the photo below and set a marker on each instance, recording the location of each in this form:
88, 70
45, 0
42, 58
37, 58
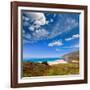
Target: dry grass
37, 69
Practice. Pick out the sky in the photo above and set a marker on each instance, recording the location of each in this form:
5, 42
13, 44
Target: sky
49, 34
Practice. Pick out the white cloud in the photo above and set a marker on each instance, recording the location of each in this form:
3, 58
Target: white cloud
25, 18
54, 15
28, 36
73, 37
76, 36
40, 33
65, 25
25, 23
38, 18
68, 39
35, 20
51, 20
31, 28
25, 41
55, 43
72, 22
47, 22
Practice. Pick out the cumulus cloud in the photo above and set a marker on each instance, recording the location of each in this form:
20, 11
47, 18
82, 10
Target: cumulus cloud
51, 20
47, 22
38, 18
76, 36
73, 37
31, 28
25, 23
68, 39
54, 15
34, 24
40, 33
25, 18
28, 36
55, 43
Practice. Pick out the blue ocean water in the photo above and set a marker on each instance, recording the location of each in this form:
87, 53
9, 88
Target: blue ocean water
41, 59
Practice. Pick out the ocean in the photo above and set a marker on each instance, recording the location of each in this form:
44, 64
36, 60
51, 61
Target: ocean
38, 60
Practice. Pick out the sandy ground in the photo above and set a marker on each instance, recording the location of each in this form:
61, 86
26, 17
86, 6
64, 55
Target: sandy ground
57, 62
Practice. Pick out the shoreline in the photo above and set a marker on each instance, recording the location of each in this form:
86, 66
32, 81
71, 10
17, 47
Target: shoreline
52, 62
57, 62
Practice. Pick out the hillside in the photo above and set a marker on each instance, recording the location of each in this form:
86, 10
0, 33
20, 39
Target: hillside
44, 69
71, 56
39, 69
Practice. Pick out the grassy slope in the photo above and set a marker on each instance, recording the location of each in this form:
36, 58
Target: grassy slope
37, 69
64, 69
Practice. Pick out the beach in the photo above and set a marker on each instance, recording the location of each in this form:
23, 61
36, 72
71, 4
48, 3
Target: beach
57, 62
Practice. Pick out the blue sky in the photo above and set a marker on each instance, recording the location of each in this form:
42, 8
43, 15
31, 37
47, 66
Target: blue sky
49, 34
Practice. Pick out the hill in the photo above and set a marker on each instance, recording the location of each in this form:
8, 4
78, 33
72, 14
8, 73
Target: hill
71, 56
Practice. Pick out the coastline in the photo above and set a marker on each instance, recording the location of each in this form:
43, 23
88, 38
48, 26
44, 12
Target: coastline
57, 62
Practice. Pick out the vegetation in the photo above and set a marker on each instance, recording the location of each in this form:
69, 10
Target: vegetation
43, 69
64, 69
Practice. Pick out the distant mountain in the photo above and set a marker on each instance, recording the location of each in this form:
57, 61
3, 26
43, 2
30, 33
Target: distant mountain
71, 56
